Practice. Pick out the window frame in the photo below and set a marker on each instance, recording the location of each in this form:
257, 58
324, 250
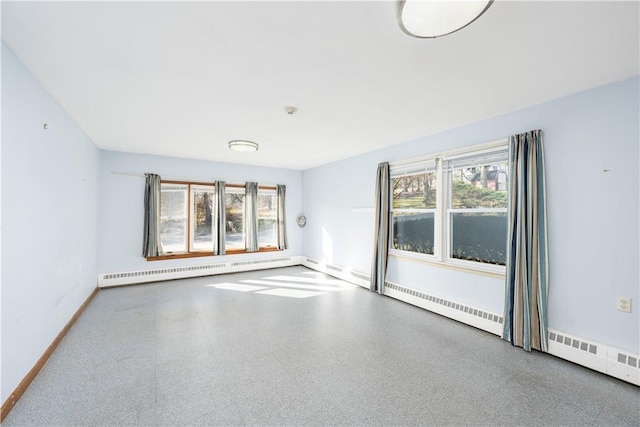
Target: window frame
410, 169
237, 189
191, 220
442, 217
189, 253
270, 191
189, 243
475, 157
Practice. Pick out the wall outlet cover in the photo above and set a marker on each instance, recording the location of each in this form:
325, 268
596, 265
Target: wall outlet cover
623, 304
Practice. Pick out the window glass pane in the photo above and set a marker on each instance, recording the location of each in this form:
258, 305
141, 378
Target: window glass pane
413, 232
173, 217
173, 234
480, 237
234, 206
267, 227
173, 201
479, 186
415, 191
202, 220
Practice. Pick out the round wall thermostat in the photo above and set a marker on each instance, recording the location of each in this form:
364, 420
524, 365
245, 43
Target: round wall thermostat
301, 220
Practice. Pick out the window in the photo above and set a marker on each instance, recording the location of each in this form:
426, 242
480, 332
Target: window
267, 219
202, 197
413, 208
452, 208
186, 217
234, 209
235, 213
477, 207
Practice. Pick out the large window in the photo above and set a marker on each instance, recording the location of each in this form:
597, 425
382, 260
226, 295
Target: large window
452, 208
188, 221
186, 212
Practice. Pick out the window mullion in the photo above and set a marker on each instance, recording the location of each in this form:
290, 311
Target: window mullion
191, 212
441, 191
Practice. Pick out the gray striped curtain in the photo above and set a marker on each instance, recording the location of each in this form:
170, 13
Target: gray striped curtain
221, 218
381, 240
281, 217
251, 216
527, 281
151, 244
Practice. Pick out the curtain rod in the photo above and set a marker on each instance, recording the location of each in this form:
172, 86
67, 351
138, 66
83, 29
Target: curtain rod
167, 178
183, 179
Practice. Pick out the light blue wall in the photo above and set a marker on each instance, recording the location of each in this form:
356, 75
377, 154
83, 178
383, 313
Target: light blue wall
49, 220
593, 215
121, 205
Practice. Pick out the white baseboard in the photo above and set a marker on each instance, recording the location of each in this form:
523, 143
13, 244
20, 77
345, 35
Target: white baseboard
339, 272
489, 322
609, 360
230, 266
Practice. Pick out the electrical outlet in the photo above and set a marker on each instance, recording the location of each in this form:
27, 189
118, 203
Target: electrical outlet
623, 304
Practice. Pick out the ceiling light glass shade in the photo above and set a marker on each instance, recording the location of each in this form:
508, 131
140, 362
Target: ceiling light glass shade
241, 145
430, 19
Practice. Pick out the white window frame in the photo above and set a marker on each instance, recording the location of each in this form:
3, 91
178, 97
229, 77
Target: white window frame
443, 211
399, 170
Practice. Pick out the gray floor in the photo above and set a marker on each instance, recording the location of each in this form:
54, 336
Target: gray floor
295, 347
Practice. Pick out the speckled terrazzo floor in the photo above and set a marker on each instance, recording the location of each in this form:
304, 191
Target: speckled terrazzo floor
295, 347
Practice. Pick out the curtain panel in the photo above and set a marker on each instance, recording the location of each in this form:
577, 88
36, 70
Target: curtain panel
381, 239
220, 219
251, 216
151, 244
281, 217
527, 279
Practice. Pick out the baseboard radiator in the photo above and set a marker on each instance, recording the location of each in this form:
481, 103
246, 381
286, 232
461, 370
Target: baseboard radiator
599, 357
481, 319
231, 266
602, 358
339, 272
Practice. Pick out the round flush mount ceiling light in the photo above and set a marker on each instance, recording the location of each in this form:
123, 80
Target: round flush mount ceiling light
242, 145
431, 19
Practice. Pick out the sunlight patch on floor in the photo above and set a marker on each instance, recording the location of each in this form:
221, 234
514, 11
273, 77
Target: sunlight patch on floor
237, 287
294, 285
291, 293
290, 286
317, 280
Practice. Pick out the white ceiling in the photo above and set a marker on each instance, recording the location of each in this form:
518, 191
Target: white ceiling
183, 78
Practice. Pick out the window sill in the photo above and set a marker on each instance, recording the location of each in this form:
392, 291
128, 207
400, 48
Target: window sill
208, 254
488, 270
